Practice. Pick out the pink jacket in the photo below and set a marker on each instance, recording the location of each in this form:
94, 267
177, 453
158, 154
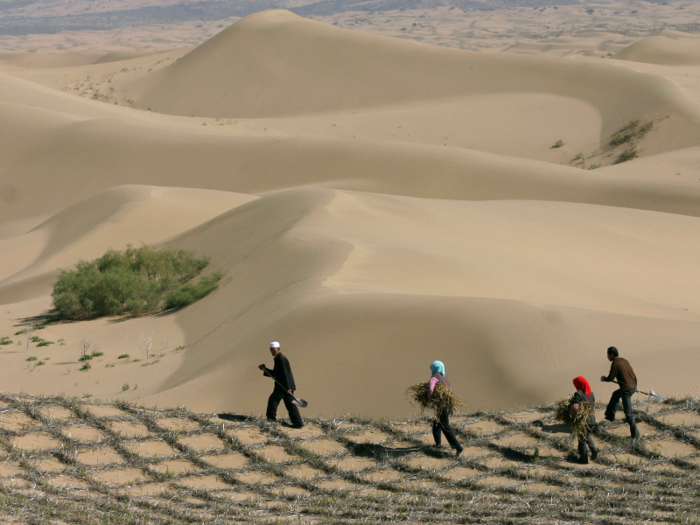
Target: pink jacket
431, 387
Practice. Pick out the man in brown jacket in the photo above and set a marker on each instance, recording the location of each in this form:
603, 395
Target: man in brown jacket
621, 371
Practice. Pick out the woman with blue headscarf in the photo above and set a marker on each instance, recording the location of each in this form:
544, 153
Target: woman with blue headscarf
441, 425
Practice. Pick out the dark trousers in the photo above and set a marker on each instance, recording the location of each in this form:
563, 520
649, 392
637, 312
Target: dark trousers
278, 395
626, 396
582, 452
443, 427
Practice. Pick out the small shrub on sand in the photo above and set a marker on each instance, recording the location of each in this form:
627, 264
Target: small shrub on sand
578, 422
558, 144
633, 130
133, 282
85, 367
5, 341
123, 356
31, 358
629, 154
442, 400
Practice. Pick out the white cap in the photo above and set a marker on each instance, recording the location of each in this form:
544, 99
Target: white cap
274, 344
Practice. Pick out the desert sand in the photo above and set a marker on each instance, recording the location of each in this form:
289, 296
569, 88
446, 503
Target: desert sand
376, 203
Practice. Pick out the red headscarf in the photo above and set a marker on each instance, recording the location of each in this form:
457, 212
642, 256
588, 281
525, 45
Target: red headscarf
581, 383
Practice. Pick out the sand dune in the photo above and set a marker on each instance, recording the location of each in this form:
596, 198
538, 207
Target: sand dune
110, 219
345, 293
376, 204
276, 64
664, 51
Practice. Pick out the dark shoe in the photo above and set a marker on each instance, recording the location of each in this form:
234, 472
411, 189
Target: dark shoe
583, 460
594, 454
459, 451
636, 435
610, 418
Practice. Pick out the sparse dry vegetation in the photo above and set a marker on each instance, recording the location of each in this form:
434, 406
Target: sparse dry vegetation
67, 461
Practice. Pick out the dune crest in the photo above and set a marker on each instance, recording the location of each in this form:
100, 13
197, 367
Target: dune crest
275, 64
664, 51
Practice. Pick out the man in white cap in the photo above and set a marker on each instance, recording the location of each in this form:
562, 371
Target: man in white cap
282, 372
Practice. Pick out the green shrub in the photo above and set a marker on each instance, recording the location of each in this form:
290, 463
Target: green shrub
125, 387
558, 144
629, 154
31, 358
188, 293
5, 341
123, 356
86, 357
85, 367
633, 130
45, 343
133, 282
97, 354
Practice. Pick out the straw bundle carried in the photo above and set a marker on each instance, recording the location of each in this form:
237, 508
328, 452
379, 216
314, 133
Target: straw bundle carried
443, 399
579, 421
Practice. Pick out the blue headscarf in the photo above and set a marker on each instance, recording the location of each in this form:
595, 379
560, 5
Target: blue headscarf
437, 368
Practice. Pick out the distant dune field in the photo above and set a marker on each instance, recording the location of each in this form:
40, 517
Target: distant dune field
375, 203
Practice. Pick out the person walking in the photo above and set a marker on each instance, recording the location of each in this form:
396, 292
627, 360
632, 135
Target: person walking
282, 372
584, 394
622, 371
441, 425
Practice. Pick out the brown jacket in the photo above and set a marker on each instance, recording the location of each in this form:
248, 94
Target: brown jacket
622, 371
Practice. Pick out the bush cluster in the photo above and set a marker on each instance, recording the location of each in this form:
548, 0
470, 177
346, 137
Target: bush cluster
136, 281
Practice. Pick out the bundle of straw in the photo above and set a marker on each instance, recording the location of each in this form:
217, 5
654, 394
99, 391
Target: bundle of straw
443, 399
579, 421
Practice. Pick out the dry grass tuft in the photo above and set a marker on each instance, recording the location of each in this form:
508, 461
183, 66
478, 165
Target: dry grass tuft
443, 399
579, 422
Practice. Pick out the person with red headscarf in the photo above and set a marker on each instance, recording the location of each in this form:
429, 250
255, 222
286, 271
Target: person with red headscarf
584, 394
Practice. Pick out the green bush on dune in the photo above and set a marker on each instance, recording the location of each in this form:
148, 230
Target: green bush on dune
136, 281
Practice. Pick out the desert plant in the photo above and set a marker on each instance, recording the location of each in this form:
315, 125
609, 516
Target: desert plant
633, 130
189, 293
86, 366
44, 343
86, 346
558, 144
5, 341
27, 333
146, 343
125, 387
31, 358
629, 154
123, 356
134, 282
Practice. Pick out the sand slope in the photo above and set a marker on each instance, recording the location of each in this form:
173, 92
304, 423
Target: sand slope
376, 204
276, 63
664, 51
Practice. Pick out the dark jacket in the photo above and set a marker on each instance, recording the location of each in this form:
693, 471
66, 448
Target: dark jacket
621, 370
282, 372
581, 397
442, 379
